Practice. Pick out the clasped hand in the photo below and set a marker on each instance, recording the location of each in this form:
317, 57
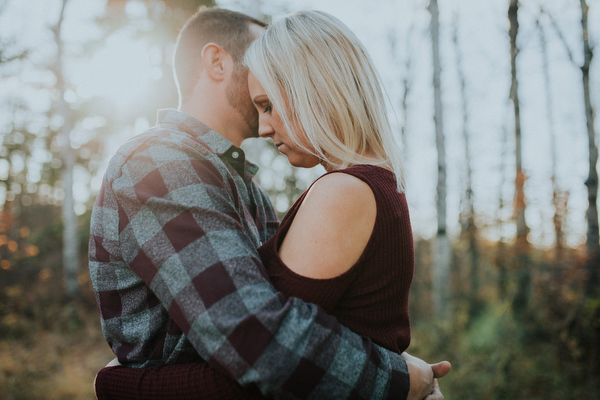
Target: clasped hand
423, 378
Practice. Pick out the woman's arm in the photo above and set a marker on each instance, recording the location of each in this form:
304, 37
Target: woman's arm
197, 381
331, 229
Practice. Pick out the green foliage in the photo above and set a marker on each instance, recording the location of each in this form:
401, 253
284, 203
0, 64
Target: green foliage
31, 290
498, 365
548, 351
496, 359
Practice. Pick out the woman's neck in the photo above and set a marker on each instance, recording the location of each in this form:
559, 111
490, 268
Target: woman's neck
332, 165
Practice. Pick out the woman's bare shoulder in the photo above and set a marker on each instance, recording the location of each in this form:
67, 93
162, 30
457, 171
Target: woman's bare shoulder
332, 227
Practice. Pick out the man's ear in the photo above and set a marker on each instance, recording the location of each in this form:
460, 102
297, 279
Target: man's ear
216, 61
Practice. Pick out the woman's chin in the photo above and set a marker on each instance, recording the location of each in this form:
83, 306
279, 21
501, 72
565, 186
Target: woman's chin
302, 163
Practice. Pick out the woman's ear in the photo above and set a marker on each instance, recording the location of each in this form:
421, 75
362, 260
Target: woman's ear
216, 61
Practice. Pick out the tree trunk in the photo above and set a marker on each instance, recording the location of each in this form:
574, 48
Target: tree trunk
501, 257
521, 299
441, 290
406, 85
593, 234
405, 57
557, 196
70, 242
471, 228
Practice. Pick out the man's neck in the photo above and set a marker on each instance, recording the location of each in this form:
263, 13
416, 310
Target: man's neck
207, 113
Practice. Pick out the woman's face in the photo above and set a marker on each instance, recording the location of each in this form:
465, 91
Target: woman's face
271, 126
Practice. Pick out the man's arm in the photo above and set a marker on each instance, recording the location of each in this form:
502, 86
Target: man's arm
180, 231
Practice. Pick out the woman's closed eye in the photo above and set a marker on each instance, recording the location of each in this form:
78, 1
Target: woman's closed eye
268, 108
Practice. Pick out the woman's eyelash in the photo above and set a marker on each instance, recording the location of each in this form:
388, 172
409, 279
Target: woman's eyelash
268, 108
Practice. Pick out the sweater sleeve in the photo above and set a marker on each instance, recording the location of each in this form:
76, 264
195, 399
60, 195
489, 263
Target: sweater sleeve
196, 381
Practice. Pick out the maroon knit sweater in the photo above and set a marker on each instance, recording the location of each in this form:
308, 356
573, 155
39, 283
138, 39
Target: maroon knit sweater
371, 298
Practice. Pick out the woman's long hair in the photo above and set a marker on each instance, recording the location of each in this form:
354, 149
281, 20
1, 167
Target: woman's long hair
322, 81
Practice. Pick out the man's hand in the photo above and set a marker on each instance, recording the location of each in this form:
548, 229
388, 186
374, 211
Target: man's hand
436, 393
423, 382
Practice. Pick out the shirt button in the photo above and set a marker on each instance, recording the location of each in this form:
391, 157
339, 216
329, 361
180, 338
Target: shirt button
235, 154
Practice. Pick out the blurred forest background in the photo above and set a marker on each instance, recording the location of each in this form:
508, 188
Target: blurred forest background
495, 111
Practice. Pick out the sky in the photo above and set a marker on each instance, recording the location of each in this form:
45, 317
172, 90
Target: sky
122, 67
483, 43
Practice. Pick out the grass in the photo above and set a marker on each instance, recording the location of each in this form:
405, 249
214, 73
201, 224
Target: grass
56, 363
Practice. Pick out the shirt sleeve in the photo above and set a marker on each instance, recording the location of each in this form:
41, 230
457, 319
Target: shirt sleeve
181, 232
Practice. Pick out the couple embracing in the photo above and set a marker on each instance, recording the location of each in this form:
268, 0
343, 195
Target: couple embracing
203, 294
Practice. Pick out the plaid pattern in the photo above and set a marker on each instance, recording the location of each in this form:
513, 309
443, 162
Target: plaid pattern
177, 276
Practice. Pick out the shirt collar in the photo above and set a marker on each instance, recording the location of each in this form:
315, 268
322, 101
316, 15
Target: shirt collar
217, 143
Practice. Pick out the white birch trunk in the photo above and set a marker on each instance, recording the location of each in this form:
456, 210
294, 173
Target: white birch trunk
70, 242
441, 270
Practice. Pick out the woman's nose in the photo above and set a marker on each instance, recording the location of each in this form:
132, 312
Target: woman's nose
264, 128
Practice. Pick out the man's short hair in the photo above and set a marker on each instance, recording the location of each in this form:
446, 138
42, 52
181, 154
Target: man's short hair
226, 28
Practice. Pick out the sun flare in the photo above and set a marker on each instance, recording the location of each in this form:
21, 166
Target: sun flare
120, 71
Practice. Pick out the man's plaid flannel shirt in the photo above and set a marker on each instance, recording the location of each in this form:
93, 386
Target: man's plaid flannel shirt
174, 266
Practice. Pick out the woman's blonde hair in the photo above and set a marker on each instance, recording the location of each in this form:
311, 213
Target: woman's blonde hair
320, 78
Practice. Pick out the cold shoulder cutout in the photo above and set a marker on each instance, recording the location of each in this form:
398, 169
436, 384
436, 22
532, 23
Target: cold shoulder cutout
331, 228
371, 297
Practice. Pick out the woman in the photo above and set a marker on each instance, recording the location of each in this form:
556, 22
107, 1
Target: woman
346, 244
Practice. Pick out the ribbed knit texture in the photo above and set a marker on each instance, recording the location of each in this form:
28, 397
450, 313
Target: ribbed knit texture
197, 381
372, 297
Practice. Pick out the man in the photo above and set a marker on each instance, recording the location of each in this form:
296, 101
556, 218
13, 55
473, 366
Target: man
173, 246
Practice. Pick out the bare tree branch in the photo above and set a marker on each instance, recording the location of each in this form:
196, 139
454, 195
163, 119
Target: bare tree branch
560, 35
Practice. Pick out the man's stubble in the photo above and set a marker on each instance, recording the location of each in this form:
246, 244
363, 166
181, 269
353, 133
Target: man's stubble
238, 98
